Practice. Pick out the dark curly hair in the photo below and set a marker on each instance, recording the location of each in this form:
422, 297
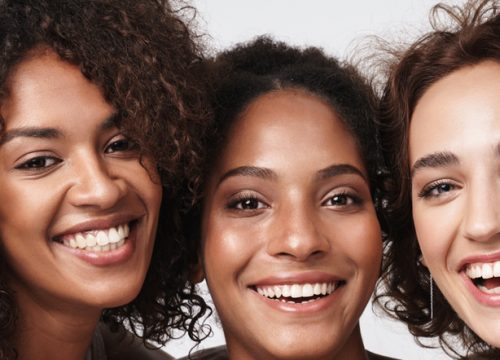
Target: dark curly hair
239, 76
471, 36
144, 58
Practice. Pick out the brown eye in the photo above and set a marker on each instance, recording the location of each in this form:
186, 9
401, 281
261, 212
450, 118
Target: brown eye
39, 162
121, 145
246, 203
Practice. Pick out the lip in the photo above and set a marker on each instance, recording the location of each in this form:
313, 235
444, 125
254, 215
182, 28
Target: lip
98, 224
492, 300
296, 278
484, 258
104, 258
307, 308
318, 305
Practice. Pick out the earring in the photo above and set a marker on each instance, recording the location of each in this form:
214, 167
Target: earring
431, 288
431, 291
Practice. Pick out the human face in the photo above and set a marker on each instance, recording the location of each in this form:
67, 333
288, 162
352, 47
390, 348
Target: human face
78, 212
292, 245
455, 156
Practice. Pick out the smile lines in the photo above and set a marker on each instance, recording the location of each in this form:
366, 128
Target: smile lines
97, 240
294, 293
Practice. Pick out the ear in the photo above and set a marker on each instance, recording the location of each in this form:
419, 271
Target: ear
197, 274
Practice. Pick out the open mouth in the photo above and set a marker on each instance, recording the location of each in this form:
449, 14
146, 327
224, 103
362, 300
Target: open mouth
298, 293
485, 276
97, 240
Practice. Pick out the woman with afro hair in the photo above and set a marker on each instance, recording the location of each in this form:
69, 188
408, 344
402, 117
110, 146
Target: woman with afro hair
99, 116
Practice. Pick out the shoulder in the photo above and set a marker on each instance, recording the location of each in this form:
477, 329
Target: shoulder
215, 353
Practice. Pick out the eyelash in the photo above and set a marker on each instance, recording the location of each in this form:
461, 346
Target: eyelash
34, 164
351, 200
131, 145
426, 192
237, 203
31, 164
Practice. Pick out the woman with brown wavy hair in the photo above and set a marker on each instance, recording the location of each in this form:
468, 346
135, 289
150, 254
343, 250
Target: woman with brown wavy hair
99, 111
440, 134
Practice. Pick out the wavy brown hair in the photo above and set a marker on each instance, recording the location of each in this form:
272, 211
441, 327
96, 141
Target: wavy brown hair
145, 59
471, 36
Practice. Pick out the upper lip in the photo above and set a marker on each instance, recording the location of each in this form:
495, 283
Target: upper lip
310, 277
484, 258
100, 223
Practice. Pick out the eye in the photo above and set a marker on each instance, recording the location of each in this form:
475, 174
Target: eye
341, 200
437, 189
38, 163
121, 145
246, 203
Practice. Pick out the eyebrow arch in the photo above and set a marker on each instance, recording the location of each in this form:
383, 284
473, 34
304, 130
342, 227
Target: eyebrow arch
255, 171
32, 132
49, 133
338, 169
437, 159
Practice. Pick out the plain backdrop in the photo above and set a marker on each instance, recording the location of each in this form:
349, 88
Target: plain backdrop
339, 27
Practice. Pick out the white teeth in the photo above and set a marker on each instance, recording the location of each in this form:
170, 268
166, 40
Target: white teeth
101, 238
317, 289
483, 270
97, 241
296, 290
307, 290
496, 269
489, 291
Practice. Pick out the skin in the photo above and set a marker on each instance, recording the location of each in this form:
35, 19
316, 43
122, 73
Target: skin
83, 174
294, 217
456, 198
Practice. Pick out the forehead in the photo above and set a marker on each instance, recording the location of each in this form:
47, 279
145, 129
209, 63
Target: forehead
458, 112
287, 125
43, 88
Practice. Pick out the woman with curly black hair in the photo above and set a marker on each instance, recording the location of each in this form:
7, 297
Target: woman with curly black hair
440, 119
99, 116
290, 238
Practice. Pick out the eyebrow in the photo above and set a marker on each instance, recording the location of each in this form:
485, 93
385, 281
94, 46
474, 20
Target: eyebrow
338, 169
255, 171
49, 133
268, 174
435, 160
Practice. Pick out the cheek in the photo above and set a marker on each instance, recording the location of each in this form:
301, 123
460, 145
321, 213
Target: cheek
363, 242
433, 234
27, 210
228, 246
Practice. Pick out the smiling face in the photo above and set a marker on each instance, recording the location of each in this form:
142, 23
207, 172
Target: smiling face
78, 212
455, 156
292, 245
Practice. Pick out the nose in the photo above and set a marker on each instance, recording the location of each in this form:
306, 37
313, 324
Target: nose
94, 185
482, 210
297, 235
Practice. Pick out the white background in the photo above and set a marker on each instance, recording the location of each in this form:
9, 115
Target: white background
338, 27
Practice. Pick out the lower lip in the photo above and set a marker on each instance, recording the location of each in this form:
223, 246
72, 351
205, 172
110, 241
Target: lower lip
301, 308
492, 300
106, 258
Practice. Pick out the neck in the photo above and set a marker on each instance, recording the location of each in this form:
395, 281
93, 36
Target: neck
55, 331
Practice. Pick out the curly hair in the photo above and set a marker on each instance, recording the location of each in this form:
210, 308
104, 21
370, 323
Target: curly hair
144, 58
239, 76
471, 36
